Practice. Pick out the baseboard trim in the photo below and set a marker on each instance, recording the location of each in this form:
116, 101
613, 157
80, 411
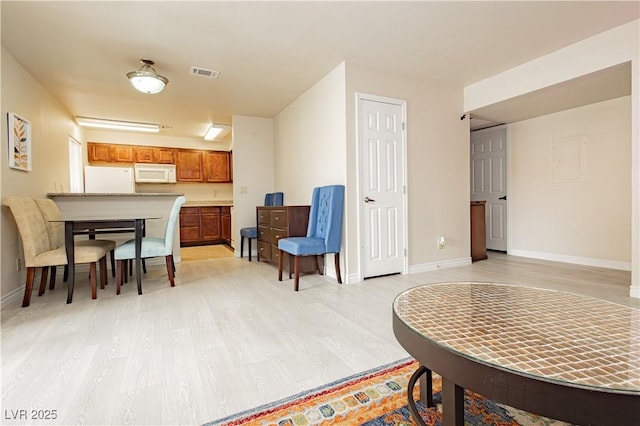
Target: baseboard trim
442, 264
578, 260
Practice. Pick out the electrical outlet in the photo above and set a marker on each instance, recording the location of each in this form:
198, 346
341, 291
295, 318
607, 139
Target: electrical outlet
441, 243
18, 264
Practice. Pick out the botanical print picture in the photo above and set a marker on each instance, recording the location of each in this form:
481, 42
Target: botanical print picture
19, 142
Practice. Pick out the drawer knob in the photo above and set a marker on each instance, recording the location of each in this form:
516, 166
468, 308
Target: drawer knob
277, 217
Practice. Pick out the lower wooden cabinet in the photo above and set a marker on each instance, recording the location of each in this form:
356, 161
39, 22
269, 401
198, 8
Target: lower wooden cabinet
205, 225
478, 231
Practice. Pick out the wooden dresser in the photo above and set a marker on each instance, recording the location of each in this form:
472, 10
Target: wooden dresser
478, 231
279, 222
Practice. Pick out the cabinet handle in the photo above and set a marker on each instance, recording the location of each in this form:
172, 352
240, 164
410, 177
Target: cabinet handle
277, 218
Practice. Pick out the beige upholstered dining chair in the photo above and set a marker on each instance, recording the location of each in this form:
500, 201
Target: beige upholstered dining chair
38, 252
51, 212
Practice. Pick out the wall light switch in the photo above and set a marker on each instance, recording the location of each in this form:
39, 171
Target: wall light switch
243, 189
441, 243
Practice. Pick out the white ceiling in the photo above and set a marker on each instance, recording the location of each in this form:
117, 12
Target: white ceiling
268, 53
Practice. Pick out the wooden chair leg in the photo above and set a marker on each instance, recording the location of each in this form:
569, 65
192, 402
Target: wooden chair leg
337, 262
43, 280
113, 263
280, 266
103, 272
242, 246
290, 264
65, 274
130, 261
249, 249
169, 260
92, 278
296, 266
173, 265
119, 274
31, 272
126, 265
52, 279
144, 266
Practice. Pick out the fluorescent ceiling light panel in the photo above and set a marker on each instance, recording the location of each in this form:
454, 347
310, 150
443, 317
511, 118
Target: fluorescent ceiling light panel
214, 131
132, 126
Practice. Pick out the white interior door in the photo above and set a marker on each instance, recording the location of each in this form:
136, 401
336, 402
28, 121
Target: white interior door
381, 145
489, 181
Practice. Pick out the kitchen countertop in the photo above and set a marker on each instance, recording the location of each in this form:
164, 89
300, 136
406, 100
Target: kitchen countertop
93, 194
213, 203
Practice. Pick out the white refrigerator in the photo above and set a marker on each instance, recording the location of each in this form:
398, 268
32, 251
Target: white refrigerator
109, 180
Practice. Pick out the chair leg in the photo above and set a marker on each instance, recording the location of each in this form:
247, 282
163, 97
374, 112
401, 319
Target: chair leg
65, 274
296, 272
144, 266
337, 262
126, 265
52, 279
249, 248
92, 277
173, 265
242, 247
43, 280
113, 263
318, 264
280, 266
130, 261
31, 272
103, 272
119, 274
169, 259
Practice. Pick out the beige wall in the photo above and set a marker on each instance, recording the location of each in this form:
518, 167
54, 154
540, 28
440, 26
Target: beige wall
51, 126
310, 139
437, 163
583, 215
616, 46
252, 171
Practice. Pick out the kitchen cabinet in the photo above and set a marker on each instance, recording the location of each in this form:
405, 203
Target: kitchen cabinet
216, 167
189, 167
109, 153
478, 231
204, 225
143, 154
164, 155
225, 224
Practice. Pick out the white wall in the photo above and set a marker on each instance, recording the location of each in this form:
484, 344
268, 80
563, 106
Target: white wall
51, 126
584, 217
438, 167
613, 47
253, 174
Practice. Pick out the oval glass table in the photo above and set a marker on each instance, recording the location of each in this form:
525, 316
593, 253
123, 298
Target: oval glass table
551, 353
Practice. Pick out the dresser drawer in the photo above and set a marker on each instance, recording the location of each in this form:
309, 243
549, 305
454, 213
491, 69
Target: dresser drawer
279, 218
276, 234
264, 234
264, 217
264, 250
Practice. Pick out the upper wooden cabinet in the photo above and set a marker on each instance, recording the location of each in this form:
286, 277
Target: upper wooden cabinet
216, 167
154, 154
109, 153
192, 165
189, 166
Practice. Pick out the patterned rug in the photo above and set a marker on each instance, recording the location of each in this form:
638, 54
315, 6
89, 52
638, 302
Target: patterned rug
376, 398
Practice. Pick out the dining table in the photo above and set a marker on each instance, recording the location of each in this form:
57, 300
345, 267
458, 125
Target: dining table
95, 224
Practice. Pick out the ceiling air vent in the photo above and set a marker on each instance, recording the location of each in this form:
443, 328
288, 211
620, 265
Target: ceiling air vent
203, 72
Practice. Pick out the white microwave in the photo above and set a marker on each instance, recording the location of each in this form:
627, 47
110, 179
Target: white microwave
154, 173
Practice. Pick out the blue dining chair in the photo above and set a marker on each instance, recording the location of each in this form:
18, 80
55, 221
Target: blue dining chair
151, 247
270, 199
324, 232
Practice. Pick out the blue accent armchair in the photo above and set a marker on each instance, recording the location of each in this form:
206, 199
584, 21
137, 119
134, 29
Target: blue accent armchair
270, 199
324, 233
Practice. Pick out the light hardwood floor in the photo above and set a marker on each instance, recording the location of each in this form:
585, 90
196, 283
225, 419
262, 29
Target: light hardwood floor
228, 337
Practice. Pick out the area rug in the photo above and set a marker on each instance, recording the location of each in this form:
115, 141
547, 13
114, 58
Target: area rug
376, 397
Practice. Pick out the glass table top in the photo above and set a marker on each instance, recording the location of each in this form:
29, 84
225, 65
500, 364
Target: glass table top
547, 334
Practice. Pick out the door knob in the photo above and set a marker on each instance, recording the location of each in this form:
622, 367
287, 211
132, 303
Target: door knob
369, 200
504, 197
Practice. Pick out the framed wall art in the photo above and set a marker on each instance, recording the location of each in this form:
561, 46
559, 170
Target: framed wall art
19, 142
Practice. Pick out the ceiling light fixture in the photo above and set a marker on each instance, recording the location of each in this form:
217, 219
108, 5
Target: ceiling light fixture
146, 79
101, 123
216, 131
